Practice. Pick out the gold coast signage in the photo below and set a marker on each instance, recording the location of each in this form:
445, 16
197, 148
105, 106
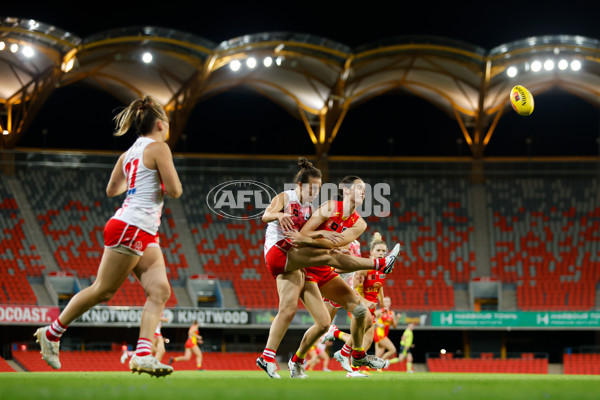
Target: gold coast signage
19, 314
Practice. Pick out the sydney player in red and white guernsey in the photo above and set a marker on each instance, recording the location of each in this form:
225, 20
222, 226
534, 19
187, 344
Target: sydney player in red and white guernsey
337, 216
146, 174
286, 215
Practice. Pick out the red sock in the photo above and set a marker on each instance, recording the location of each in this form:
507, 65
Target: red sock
379, 263
297, 359
357, 354
337, 333
55, 331
346, 350
268, 355
143, 348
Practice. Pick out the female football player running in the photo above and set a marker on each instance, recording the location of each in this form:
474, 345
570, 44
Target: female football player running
146, 174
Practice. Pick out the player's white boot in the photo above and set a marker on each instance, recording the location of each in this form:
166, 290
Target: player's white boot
390, 259
370, 361
269, 367
356, 374
49, 348
344, 361
296, 370
149, 365
329, 335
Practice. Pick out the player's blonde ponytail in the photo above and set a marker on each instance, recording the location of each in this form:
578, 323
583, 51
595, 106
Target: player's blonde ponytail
143, 112
375, 240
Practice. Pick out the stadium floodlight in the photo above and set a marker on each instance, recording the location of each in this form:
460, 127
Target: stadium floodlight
549, 65
2, 45
67, 66
14, 47
235, 65
147, 57
267, 62
536, 66
27, 51
563, 64
575, 65
251, 62
511, 72
5, 132
279, 60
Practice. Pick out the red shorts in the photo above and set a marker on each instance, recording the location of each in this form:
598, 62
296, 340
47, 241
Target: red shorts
189, 343
277, 257
376, 337
320, 275
331, 303
119, 234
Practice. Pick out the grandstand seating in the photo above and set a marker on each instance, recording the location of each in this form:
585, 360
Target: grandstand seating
582, 363
72, 216
18, 257
549, 248
110, 361
487, 364
230, 249
545, 238
429, 217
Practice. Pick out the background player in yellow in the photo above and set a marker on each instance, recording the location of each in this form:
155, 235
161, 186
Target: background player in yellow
406, 343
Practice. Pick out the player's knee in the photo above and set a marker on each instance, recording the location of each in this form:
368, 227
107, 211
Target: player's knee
287, 313
102, 294
360, 311
159, 292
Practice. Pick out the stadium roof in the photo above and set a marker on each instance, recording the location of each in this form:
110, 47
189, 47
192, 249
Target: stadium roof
315, 79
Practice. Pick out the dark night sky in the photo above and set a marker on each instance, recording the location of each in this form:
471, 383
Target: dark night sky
77, 117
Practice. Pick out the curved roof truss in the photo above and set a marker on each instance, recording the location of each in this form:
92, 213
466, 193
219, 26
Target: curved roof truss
315, 79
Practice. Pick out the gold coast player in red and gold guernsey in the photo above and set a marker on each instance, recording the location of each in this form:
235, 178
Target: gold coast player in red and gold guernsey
386, 318
369, 284
336, 216
288, 213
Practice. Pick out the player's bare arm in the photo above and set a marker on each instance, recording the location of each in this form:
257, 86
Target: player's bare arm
117, 184
158, 156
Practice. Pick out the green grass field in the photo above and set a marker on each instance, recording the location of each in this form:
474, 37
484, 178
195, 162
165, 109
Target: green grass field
249, 385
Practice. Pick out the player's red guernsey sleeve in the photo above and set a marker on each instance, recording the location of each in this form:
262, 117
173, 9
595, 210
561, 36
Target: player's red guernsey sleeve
336, 222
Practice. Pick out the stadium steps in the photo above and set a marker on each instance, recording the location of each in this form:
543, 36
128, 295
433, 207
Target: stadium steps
508, 299
230, 299
481, 240
43, 298
185, 237
33, 229
181, 294
461, 299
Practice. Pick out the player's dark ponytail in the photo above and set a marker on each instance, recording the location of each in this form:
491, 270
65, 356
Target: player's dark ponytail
307, 170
